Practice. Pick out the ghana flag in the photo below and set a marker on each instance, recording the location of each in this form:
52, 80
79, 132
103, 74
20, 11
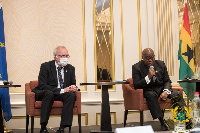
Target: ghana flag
185, 55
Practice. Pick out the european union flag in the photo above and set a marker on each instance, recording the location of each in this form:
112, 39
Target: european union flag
4, 92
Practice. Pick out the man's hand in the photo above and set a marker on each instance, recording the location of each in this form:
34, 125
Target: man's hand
164, 95
66, 89
72, 88
151, 73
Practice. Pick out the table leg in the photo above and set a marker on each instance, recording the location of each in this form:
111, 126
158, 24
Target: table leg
198, 86
105, 110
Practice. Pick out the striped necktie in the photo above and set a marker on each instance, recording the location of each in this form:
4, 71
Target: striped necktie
60, 77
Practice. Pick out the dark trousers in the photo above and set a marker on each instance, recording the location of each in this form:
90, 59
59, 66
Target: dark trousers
154, 106
47, 97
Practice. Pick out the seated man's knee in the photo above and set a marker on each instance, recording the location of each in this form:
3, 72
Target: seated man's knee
179, 93
176, 93
150, 95
72, 95
49, 94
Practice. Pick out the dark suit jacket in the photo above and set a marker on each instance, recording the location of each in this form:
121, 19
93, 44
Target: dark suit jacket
48, 78
140, 71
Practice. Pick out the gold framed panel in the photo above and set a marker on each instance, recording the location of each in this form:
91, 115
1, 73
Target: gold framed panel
105, 27
112, 114
14, 92
133, 112
122, 28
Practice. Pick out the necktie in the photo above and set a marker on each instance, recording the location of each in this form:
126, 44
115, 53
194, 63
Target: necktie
60, 77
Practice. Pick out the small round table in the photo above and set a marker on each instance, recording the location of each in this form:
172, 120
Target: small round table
2, 126
6, 86
191, 81
105, 105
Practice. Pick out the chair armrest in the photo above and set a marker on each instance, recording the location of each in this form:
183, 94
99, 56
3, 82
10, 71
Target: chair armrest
78, 101
178, 89
29, 99
133, 99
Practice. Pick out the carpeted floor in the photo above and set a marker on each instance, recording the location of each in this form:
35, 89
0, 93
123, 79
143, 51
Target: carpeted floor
87, 129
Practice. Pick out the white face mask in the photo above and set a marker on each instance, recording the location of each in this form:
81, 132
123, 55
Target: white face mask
63, 61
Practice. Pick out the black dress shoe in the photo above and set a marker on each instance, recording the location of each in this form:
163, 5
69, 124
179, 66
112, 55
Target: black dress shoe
189, 124
60, 131
44, 131
165, 127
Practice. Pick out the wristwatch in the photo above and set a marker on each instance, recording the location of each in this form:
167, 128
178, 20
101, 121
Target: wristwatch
168, 91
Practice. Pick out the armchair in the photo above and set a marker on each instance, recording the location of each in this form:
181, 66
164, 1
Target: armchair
33, 108
134, 100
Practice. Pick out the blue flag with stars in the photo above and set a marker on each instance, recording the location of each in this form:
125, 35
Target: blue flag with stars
4, 92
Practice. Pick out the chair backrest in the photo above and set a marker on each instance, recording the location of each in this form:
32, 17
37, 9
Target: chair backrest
33, 84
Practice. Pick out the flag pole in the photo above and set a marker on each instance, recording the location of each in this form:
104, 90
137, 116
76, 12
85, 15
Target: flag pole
1, 111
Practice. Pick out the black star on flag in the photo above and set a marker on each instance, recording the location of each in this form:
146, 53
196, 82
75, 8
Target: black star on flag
189, 53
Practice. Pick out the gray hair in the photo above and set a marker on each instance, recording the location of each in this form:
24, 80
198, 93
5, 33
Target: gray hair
56, 49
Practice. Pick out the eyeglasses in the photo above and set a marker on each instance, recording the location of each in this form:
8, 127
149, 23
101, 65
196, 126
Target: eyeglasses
66, 56
151, 57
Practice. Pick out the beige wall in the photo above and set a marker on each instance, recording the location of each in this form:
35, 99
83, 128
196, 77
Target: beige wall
33, 28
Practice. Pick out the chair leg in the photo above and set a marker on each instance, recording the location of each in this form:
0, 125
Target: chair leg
27, 123
69, 129
141, 118
125, 117
163, 112
32, 124
79, 123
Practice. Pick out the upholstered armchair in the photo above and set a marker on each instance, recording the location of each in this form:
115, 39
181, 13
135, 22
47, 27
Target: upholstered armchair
33, 108
134, 100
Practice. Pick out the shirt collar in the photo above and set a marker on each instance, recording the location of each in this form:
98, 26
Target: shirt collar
57, 65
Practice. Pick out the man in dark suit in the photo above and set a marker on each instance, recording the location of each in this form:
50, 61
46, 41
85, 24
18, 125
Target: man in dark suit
151, 75
56, 82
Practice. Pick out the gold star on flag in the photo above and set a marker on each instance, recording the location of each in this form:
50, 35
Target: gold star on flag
0, 76
2, 44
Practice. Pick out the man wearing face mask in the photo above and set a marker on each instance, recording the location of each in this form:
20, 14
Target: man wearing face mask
56, 83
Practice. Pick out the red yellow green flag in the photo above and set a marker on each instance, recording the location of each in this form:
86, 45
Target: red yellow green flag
185, 55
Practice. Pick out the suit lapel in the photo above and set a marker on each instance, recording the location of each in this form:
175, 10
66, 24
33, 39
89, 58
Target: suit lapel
144, 69
66, 75
157, 68
54, 72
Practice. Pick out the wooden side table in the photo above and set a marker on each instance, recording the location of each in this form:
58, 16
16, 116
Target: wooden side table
105, 105
191, 81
